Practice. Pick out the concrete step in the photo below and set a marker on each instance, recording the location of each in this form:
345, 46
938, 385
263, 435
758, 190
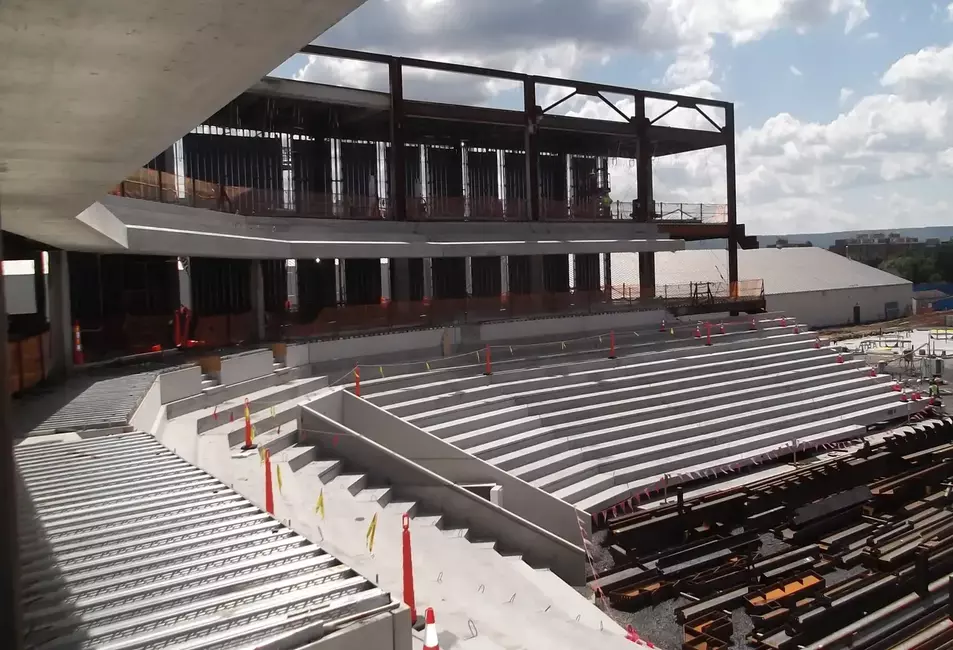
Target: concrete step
631, 468
259, 401
522, 449
506, 361
351, 482
572, 382
584, 461
681, 360
614, 393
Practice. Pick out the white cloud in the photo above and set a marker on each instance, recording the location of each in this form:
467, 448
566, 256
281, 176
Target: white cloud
949, 12
873, 165
795, 71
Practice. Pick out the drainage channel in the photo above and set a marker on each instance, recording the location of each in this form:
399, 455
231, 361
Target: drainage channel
124, 545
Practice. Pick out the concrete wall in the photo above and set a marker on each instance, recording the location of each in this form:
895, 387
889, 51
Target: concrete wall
451, 463
179, 384
147, 413
826, 308
241, 367
578, 325
388, 631
362, 347
538, 546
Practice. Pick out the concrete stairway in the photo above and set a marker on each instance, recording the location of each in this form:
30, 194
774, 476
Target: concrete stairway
470, 581
592, 431
125, 545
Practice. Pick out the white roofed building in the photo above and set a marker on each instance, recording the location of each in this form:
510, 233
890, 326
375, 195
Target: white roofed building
817, 286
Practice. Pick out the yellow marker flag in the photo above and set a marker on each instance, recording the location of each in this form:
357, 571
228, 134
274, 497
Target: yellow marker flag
600, 340
261, 454
563, 344
278, 472
672, 331
271, 411
371, 530
254, 432
511, 350
381, 368
478, 356
427, 363
319, 507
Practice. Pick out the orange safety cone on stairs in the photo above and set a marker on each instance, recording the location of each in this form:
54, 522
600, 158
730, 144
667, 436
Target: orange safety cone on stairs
698, 331
431, 642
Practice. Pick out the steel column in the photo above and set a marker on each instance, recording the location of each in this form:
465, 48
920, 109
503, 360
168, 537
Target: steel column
645, 204
10, 633
398, 150
39, 288
732, 198
530, 113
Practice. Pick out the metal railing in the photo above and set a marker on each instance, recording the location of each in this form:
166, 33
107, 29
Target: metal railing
152, 185
711, 296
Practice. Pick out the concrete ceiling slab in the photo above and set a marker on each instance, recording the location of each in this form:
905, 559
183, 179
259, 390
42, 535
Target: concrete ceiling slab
92, 89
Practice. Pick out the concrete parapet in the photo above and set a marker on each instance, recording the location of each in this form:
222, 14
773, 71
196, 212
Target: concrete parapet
236, 368
179, 384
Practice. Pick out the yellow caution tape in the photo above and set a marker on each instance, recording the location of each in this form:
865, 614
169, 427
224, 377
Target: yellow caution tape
278, 473
371, 531
319, 507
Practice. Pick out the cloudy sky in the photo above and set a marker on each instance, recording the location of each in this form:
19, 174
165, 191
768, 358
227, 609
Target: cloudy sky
844, 108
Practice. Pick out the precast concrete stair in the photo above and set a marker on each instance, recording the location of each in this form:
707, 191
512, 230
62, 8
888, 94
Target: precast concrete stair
592, 431
259, 402
125, 545
477, 574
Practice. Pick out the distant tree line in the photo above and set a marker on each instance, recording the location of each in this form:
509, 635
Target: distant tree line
922, 265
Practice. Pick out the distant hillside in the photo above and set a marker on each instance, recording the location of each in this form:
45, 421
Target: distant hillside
826, 239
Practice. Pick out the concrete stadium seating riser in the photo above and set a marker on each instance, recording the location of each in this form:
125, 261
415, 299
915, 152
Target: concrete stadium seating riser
647, 383
604, 404
263, 401
681, 360
685, 463
541, 366
554, 440
543, 449
502, 360
594, 454
431, 412
670, 456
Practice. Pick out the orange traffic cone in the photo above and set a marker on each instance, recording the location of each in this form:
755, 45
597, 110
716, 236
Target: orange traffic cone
78, 358
431, 642
698, 331
754, 325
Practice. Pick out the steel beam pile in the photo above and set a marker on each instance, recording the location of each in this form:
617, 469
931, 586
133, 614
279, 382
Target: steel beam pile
860, 557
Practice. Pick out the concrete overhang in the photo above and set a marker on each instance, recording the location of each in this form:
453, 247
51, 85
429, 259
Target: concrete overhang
165, 229
92, 89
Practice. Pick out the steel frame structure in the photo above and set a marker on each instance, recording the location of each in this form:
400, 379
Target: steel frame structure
648, 137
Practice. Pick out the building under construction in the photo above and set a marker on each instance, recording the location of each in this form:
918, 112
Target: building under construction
402, 317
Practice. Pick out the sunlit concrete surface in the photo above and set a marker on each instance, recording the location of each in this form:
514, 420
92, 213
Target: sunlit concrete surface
92, 89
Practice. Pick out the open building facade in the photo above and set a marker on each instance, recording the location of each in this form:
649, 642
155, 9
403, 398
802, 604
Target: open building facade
302, 209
